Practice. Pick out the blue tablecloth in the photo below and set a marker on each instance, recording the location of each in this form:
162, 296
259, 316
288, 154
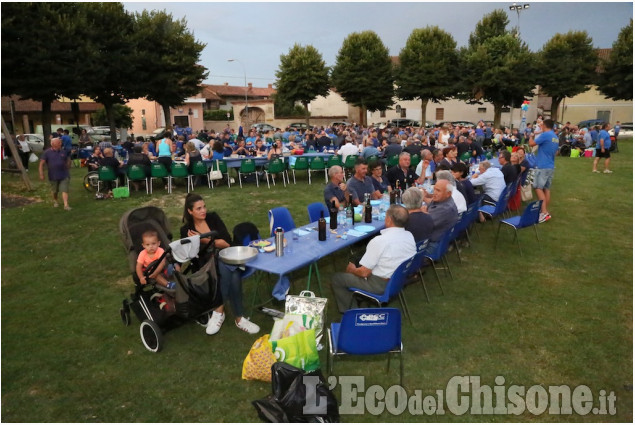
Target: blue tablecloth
305, 251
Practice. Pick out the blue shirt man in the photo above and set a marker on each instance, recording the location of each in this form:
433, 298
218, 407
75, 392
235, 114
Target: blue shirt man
547, 143
603, 150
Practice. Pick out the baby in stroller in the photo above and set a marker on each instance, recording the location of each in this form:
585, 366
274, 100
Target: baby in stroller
152, 252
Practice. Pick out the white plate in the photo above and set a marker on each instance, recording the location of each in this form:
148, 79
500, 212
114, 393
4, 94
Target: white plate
364, 228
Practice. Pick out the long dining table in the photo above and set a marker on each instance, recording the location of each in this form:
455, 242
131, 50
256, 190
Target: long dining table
307, 250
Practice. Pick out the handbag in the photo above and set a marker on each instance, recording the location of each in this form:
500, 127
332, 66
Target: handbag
526, 193
313, 307
257, 364
216, 174
298, 350
33, 157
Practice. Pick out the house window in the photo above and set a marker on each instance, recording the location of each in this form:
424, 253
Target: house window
482, 110
505, 109
439, 114
382, 114
403, 112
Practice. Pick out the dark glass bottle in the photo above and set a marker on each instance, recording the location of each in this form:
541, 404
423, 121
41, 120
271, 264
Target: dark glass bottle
368, 212
333, 214
321, 227
350, 205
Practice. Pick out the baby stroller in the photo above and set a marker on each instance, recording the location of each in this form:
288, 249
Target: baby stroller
158, 308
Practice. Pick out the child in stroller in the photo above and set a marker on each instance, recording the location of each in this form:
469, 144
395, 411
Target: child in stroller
152, 252
159, 308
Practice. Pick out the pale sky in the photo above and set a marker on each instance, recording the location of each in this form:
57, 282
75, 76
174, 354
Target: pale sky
257, 33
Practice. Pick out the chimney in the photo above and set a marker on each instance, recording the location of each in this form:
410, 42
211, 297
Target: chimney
249, 85
269, 86
225, 83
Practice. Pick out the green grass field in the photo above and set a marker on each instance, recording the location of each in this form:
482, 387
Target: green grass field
560, 315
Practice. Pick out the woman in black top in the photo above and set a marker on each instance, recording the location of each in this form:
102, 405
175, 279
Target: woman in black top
198, 220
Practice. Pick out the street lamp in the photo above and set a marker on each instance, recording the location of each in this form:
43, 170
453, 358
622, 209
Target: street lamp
518, 8
246, 101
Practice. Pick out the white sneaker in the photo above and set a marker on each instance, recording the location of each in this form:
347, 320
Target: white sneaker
214, 323
248, 326
608, 172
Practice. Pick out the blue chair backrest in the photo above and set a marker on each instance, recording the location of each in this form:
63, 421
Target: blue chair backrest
280, 217
314, 210
370, 331
530, 215
443, 244
398, 279
501, 205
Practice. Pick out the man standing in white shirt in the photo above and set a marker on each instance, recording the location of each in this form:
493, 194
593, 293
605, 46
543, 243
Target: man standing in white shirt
383, 255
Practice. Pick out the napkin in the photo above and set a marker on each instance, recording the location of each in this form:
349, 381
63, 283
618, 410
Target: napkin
302, 232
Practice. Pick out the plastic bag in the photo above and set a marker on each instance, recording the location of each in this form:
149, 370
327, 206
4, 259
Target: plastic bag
288, 402
121, 192
308, 304
33, 157
257, 364
290, 325
298, 350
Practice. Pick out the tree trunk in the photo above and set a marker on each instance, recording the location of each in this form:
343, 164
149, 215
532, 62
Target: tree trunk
555, 104
110, 114
362, 116
498, 108
424, 107
168, 118
307, 114
46, 123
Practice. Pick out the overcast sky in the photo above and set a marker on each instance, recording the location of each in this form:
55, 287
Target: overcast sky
257, 33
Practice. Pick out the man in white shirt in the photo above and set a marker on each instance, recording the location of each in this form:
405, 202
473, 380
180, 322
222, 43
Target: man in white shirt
384, 253
197, 143
492, 180
348, 149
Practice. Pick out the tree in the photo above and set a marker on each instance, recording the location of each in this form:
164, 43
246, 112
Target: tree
616, 79
122, 114
363, 73
111, 66
302, 76
170, 55
46, 45
566, 67
427, 68
498, 67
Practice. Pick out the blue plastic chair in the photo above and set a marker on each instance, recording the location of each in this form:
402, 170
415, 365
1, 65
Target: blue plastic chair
529, 218
422, 246
249, 233
367, 331
394, 288
314, 210
280, 217
501, 205
437, 253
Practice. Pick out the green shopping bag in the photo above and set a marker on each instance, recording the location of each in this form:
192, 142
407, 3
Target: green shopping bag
121, 192
298, 350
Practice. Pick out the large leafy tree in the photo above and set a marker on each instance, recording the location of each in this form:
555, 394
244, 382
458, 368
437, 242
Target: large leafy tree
566, 66
302, 76
616, 79
170, 56
111, 66
43, 50
363, 73
497, 67
428, 67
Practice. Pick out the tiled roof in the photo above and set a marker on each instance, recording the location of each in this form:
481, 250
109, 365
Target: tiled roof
227, 90
29, 105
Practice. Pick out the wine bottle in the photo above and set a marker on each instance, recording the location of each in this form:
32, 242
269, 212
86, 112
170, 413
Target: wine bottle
398, 195
321, 227
333, 214
368, 212
352, 208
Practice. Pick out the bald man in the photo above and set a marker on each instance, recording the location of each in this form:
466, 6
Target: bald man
58, 163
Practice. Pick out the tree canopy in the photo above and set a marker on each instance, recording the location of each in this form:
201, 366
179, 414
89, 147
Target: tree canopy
616, 79
363, 73
302, 76
170, 55
566, 66
498, 67
428, 67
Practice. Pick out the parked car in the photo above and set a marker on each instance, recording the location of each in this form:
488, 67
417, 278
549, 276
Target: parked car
262, 127
467, 124
625, 131
590, 123
102, 134
36, 142
300, 126
338, 123
404, 122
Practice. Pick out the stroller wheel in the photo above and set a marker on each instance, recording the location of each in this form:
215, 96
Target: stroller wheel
202, 319
151, 336
125, 316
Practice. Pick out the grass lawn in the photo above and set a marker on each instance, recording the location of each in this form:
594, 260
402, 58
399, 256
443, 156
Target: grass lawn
560, 315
